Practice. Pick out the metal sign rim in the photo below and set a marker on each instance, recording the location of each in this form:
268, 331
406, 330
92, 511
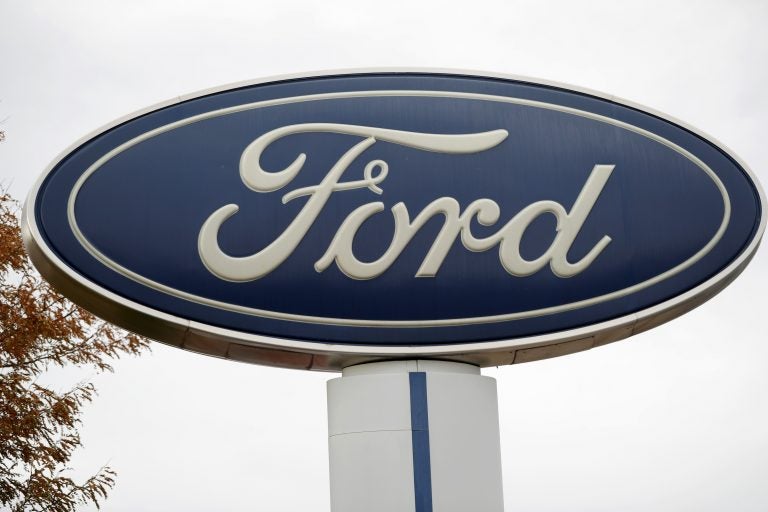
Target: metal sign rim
274, 351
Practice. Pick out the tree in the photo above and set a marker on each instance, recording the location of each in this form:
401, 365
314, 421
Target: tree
39, 330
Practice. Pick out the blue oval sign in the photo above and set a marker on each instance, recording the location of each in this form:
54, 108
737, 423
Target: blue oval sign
321, 221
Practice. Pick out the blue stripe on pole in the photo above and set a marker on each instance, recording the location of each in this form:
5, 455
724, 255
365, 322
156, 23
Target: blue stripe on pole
422, 472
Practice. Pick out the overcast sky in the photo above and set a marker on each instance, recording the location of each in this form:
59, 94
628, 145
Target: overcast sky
674, 419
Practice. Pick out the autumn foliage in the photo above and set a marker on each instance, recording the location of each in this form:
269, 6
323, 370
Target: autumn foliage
40, 330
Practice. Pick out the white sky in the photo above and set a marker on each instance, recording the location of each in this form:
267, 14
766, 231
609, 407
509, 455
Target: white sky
674, 419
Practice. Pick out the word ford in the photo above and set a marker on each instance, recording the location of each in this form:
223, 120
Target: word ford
456, 223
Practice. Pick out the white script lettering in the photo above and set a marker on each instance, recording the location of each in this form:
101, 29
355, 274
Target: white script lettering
456, 223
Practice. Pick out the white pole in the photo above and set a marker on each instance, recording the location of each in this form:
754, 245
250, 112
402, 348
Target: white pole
414, 436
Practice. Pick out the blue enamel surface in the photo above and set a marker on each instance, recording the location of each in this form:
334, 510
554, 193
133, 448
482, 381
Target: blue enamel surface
144, 208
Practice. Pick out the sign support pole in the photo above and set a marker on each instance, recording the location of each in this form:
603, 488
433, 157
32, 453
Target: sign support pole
414, 436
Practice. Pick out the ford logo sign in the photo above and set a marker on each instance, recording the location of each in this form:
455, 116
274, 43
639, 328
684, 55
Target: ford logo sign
316, 222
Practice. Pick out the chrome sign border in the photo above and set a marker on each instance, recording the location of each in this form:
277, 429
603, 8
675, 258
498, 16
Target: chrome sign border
290, 353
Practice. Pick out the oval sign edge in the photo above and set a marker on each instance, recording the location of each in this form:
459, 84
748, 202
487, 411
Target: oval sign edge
333, 356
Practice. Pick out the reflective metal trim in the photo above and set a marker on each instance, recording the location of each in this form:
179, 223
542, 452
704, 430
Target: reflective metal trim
88, 246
